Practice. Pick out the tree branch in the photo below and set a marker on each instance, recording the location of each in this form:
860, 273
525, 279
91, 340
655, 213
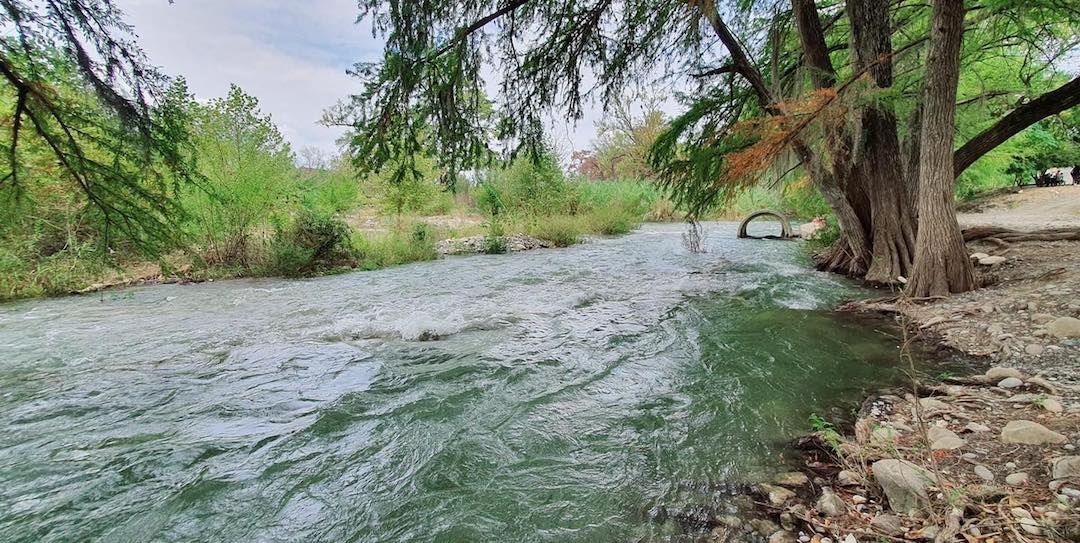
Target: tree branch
1051, 103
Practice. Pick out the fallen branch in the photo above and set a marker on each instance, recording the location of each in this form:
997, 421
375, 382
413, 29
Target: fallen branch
1006, 235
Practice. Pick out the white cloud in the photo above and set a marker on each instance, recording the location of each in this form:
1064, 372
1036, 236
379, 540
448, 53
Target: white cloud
291, 55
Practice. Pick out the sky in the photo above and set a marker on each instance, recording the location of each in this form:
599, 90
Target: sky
291, 55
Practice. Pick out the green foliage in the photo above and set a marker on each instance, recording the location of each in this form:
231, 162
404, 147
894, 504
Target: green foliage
396, 247
827, 430
249, 171
311, 244
87, 110
561, 230
532, 186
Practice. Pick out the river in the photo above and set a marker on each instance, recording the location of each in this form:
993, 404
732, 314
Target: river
553, 395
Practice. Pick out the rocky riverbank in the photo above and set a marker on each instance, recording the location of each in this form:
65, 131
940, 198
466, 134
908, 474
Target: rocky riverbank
984, 458
483, 244
991, 457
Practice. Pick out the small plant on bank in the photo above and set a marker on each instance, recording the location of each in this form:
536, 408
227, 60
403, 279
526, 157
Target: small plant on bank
827, 430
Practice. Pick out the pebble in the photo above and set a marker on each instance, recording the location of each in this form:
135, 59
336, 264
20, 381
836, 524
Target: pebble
1010, 465
1010, 382
976, 427
1069, 447
1052, 405
1016, 479
984, 473
1034, 349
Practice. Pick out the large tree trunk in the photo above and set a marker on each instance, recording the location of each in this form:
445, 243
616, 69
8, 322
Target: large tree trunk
941, 260
879, 168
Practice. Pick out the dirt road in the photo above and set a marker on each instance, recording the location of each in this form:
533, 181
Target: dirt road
1029, 209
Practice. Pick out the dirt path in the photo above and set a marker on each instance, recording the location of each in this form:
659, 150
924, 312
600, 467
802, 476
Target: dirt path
1027, 209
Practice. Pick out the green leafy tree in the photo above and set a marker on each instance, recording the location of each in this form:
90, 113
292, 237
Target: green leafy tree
249, 175
80, 91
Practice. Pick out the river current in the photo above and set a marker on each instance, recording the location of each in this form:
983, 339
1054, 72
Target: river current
553, 395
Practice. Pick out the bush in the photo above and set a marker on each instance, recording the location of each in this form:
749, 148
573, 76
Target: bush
399, 246
311, 244
612, 220
561, 230
495, 242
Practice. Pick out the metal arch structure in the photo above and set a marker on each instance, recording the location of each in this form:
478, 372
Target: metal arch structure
785, 225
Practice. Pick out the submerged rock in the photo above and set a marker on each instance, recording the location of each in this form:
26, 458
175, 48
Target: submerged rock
904, 484
1026, 432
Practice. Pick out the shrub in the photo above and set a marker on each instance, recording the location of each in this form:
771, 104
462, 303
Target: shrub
312, 243
561, 230
612, 220
399, 246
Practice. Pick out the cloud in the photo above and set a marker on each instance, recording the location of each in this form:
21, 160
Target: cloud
292, 56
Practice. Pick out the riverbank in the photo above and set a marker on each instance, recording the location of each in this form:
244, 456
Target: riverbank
985, 457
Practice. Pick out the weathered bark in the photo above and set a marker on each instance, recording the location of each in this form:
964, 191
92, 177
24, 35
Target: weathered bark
941, 260
912, 147
1051, 103
879, 168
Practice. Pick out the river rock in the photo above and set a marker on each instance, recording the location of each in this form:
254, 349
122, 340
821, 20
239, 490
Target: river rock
1034, 349
1043, 384
996, 374
1041, 318
1026, 432
888, 525
943, 439
1051, 405
792, 479
984, 473
1016, 479
978, 256
782, 536
1064, 327
1010, 382
932, 406
904, 484
976, 427
830, 504
884, 434
764, 526
1066, 467
991, 260
778, 496
848, 478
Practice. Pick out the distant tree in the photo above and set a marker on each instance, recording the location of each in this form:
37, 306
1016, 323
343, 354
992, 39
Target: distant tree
80, 89
624, 137
248, 167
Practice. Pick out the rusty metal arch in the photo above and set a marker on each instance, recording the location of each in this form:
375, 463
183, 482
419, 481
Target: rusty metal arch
785, 225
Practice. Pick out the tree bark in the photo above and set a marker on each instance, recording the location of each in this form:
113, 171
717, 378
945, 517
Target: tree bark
1051, 103
879, 168
941, 264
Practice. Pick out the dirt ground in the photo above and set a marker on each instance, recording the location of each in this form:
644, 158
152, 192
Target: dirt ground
1026, 209
1039, 282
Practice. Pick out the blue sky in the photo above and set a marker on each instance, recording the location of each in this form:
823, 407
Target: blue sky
292, 55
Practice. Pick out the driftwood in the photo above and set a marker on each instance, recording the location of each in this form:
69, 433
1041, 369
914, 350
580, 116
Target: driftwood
1003, 236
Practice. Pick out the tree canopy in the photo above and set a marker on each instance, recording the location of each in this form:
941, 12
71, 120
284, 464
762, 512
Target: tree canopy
81, 92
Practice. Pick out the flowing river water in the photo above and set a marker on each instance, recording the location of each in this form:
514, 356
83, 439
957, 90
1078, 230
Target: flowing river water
554, 395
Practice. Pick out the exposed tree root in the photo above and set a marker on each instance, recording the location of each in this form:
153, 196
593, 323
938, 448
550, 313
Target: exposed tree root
1003, 236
